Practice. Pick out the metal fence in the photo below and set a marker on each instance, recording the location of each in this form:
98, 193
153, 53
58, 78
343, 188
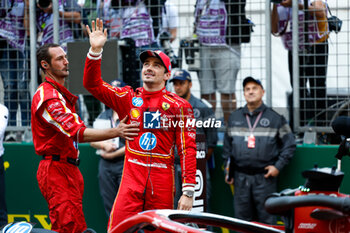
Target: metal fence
320, 93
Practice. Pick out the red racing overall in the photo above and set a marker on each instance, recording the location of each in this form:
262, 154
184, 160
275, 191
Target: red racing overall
56, 129
148, 176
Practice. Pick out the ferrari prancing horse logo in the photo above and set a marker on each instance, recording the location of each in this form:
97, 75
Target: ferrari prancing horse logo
165, 106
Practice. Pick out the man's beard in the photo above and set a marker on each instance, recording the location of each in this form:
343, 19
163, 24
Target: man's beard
59, 73
185, 95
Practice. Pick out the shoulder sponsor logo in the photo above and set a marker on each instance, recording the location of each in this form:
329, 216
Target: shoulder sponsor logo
264, 122
165, 106
137, 101
151, 120
148, 141
135, 113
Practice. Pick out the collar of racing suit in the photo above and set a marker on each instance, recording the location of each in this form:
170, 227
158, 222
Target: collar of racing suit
63, 91
144, 92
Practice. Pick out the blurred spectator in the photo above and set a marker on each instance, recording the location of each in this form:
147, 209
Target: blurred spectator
168, 31
130, 19
220, 26
170, 20
3, 124
69, 15
206, 138
281, 25
112, 152
313, 53
12, 65
89, 13
258, 144
83, 2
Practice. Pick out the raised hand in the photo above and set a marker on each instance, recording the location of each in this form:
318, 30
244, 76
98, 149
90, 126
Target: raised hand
97, 35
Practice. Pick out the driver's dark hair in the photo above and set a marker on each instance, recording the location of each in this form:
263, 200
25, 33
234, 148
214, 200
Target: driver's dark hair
42, 54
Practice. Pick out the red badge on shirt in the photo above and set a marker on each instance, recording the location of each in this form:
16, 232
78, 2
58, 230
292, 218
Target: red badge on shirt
251, 141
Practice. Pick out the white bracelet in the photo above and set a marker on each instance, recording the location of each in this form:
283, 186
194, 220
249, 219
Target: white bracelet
95, 54
188, 188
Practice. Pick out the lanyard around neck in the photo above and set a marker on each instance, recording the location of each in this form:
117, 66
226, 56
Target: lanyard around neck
251, 129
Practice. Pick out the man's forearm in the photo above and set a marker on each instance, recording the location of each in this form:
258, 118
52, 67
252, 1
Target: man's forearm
118, 153
98, 144
100, 134
274, 19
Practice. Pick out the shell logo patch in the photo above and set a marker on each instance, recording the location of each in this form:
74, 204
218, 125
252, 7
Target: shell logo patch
165, 106
135, 113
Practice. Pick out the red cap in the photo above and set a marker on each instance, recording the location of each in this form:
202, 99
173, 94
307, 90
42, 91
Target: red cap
158, 54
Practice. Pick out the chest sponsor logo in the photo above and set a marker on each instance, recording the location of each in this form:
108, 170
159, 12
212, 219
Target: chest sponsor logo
135, 113
165, 106
264, 122
137, 101
151, 120
148, 141
134, 122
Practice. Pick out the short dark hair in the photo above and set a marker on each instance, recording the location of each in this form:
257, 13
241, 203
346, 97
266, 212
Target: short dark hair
43, 53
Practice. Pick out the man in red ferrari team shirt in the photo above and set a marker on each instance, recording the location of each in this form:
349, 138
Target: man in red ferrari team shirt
57, 129
148, 177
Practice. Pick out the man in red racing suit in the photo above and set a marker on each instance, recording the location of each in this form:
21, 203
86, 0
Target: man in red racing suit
57, 129
47, 106
148, 176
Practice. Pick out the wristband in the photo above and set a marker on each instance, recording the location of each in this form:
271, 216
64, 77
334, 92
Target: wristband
95, 54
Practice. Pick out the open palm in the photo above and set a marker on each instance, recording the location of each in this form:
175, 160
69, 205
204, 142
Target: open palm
97, 35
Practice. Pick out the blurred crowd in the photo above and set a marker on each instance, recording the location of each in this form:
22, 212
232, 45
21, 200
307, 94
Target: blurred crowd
213, 52
140, 24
